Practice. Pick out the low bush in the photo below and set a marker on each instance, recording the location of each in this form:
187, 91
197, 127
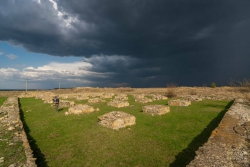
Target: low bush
171, 90
213, 85
242, 86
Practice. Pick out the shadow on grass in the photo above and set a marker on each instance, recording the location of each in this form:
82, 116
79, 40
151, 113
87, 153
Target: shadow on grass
40, 161
188, 154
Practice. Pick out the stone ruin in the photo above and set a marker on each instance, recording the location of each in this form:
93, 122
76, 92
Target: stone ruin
118, 103
116, 120
10, 121
46, 97
159, 97
144, 100
156, 109
82, 97
65, 103
74, 96
197, 98
86, 96
80, 109
96, 100
229, 143
28, 94
141, 98
107, 95
193, 98
227, 146
121, 97
179, 102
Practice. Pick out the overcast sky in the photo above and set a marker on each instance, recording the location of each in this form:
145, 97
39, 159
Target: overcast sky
123, 43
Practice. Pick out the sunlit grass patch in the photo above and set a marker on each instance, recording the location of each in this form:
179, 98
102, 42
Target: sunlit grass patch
2, 100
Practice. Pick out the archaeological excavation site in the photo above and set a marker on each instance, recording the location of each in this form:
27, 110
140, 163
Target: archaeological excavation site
126, 127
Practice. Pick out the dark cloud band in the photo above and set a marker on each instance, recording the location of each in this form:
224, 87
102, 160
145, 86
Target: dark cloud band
182, 39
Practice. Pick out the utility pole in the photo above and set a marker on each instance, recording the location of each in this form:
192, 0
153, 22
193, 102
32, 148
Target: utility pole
59, 85
26, 84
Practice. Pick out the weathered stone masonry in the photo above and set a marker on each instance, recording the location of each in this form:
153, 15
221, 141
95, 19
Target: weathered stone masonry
228, 145
11, 122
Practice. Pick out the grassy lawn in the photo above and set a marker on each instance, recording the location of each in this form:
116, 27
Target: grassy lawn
168, 140
2, 100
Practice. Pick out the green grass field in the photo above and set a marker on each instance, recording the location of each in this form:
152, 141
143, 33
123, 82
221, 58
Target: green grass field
167, 140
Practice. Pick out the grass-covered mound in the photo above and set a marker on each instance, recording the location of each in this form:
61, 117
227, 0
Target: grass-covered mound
77, 140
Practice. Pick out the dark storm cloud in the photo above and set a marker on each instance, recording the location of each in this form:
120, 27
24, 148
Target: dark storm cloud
188, 42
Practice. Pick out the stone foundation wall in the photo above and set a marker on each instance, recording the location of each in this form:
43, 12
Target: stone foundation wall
228, 145
10, 122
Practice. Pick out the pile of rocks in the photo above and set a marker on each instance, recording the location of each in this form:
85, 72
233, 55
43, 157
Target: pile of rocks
121, 97
80, 109
10, 123
47, 97
139, 96
96, 100
116, 120
82, 97
107, 95
193, 98
159, 97
143, 100
156, 109
202, 97
179, 102
118, 103
65, 103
